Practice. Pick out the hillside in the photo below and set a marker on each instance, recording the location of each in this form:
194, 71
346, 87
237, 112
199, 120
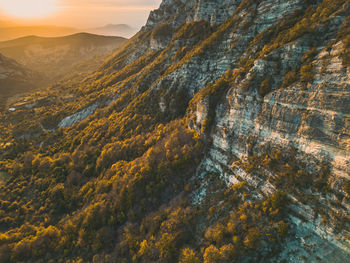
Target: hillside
218, 133
15, 78
56, 56
9, 31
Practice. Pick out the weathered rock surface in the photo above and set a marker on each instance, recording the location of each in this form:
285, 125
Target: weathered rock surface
311, 117
79, 116
188, 48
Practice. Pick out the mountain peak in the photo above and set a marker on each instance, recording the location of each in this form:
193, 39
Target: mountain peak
178, 12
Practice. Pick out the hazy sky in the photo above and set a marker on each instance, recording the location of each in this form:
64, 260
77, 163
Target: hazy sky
91, 13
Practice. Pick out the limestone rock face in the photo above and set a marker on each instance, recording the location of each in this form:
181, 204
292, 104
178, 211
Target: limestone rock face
312, 117
261, 81
79, 116
262, 170
177, 12
170, 10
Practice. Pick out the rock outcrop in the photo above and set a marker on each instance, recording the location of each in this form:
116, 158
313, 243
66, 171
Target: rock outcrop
311, 116
264, 85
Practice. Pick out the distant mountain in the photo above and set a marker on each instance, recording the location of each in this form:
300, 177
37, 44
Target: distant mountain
7, 24
8, 31
15, 78
114, 30
56, 56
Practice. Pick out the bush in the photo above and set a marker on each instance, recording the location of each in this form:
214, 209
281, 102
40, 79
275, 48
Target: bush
162, 31
212, 255
188, 256
290, 78
166, 246
282, 229
215, 234
347, 187
265, 87
145, 248
307, 73
278, 200
228, 252
251, 241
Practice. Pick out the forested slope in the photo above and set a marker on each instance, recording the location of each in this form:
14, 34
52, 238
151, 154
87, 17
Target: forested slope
219, 133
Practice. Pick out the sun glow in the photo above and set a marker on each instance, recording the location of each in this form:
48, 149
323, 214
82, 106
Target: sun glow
28, 8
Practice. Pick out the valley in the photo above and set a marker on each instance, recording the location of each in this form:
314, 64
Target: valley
56, 57
34, 63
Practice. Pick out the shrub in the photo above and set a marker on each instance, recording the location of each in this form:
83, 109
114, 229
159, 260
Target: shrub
188, 256
251, 241
215, 233
211, 255
345, 53
228, 252
166, 246
145, 248
347, 187
162, 31
307, 73
290, 78
278, 200
265, 87
282, 229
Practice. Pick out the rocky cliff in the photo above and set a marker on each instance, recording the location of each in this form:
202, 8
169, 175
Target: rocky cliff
310, 116
218, 133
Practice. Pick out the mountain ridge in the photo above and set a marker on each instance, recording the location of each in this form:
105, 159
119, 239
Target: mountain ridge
9, 31
54, 56
218, 133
